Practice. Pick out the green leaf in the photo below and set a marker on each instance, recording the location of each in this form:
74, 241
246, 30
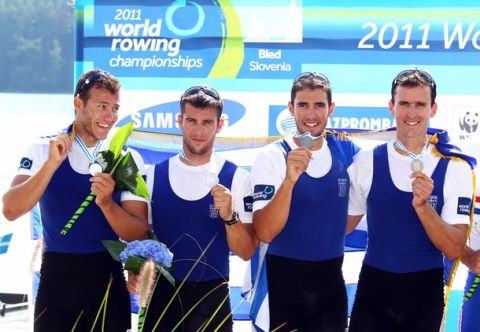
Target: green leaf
166, 274
125, 174
105, 159
152, 236
134, 264
127, 177
141, 188
119, 139
114, 248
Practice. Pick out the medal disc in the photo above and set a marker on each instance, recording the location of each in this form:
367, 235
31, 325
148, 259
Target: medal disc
95, 168
416, 165
306, 141
212, 180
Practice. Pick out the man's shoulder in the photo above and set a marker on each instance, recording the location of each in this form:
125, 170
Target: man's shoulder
459, 165
164, 162
364, 156
39, 145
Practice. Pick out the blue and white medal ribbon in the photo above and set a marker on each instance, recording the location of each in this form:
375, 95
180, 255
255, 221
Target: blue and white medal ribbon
212, 178
417, 164
93, 167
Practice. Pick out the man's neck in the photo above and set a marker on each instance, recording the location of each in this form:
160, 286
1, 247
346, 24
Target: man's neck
196, 160
415, 146
88, 140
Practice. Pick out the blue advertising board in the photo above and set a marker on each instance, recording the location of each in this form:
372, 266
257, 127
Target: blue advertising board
251, 50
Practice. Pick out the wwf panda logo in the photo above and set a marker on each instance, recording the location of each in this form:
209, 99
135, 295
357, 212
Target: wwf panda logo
469, 122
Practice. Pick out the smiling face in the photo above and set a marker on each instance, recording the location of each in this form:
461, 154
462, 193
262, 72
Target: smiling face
96, 115
199, 126
412, 111
311, 110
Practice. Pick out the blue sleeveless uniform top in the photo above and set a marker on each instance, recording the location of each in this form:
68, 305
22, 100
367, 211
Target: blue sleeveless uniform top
186, 227
315, 229
397, 241
63, 196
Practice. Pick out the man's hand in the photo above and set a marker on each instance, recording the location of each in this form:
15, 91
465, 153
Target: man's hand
297, 163
471, 259
132, 283
102, 186
422, 188
59, 148
222, 198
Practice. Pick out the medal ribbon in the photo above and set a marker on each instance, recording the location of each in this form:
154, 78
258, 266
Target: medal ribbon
90, 156
212, 162
412, 155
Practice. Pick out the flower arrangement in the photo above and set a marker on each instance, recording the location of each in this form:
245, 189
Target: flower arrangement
137, 252
146, 258
134, 254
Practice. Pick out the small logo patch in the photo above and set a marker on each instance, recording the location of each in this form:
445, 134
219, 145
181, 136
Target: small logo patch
433, 200
342, 187
25, 163
464, 205
248, 203
213, 212
263, 192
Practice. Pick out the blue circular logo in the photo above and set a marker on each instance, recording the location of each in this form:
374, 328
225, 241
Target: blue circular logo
184, 32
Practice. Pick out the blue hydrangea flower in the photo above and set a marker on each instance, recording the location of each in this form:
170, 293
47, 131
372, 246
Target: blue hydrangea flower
148, 249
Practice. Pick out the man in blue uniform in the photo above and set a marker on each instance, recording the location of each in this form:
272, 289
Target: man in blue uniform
76, 269
201, 209
418, 209
300, 208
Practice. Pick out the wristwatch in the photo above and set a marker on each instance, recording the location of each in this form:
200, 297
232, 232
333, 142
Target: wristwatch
232, 221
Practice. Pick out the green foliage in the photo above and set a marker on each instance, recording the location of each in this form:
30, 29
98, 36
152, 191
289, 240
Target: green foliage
37, 46
114, 248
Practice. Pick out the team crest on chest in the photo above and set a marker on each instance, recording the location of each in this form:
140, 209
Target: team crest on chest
213, 211
433, 200
342, 187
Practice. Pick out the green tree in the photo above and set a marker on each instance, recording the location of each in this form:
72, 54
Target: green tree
36, 53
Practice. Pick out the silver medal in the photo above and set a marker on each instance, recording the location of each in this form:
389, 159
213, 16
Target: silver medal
306, 141
212, 180
416, 165
95, 168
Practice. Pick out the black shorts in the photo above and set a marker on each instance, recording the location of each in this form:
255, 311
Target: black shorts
204, 311
71, 289
307, 296
388, 302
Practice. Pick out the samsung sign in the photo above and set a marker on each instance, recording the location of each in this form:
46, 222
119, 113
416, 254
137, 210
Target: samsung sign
162, 118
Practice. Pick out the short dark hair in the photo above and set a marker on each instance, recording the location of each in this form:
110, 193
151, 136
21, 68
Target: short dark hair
311, 80
96, 78
202, 96
412, 78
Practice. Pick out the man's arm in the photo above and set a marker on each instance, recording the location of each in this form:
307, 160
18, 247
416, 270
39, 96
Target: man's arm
242, 240
352, 223
471, 259
241, 237
270, 220
450, 239
25, 191
130, 220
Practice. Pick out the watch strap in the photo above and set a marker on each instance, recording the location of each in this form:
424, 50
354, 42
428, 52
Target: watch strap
232, 221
